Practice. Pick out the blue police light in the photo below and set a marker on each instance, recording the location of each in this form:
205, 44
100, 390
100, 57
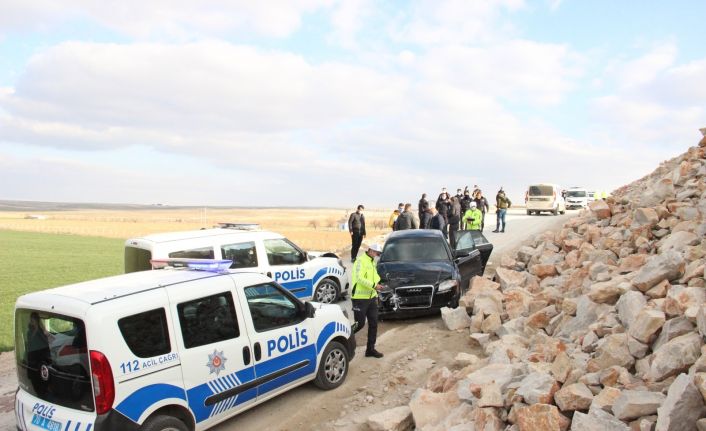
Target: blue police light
209, 265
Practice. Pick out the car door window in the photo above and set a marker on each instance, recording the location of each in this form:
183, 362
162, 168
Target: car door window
282, 252
208, 320
194, 253
243, 254
270, 307
464, 241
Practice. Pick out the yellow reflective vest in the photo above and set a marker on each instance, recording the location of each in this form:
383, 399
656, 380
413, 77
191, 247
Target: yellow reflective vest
472, 219
364, 278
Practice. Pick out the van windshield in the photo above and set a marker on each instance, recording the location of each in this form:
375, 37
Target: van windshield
576, 193
541, 191
137, 259
52, 359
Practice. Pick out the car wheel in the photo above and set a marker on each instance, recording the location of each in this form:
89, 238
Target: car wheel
164, 423
333, 368
326, 291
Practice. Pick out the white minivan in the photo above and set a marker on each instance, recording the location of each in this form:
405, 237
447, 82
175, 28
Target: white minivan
545, 197
169, 350
576, 197
319, 277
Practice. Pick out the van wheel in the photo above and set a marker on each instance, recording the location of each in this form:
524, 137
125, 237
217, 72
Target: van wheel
164, 423
529, 212
555, 211
326, 291
333, 368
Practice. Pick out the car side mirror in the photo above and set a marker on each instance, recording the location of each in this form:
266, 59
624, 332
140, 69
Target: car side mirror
309, 310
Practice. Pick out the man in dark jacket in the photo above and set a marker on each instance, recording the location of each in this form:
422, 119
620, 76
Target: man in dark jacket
466, 201
442, 206
406, 220
425, 219
423, 205
356, 227
454, 220
482, 205
437, 221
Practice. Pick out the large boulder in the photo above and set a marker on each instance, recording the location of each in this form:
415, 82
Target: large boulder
678, 241
576, 396
683, 406
675, 356
538, 388
396, 419
632, 404
543, 417
613, 350
430, 407
666, 266
597, 419
600, 209
509, 278
629, 305
646, 324
455, 318
645, 217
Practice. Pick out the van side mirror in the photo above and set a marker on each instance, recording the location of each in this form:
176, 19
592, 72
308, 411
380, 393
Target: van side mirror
309, 310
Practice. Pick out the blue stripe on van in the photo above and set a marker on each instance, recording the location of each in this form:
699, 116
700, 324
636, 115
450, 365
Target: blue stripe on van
140, 400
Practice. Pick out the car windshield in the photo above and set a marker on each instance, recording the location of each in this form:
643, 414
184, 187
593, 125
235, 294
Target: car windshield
52, 358
414, 249
576, 193
541, 190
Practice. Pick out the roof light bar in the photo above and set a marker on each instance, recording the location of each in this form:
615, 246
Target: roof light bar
209, 265
239, 226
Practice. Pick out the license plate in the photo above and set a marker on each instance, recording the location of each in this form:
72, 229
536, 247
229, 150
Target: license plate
46, 423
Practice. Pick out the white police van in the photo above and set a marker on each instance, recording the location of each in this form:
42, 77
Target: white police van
322, 279
175, 349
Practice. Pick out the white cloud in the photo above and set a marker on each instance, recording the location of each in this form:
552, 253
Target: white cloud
642, 70
347, 19
162, 19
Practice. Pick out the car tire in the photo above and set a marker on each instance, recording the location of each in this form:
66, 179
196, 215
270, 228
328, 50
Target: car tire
163, 423
327, 291
333, 368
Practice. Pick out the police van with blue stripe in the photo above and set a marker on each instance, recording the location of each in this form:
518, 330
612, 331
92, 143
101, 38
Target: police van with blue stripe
317, 276
178, 349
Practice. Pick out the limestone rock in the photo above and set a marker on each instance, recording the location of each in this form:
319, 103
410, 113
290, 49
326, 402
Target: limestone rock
576, 396
510, 279
396, 419
675, 356
629, 305
683, 406
455, 318
665, 266
543, 417
633, 404
600, 209
605, 399
491, 396
597, 419
491, 324
430, 407
537, 388
678, 241
671, 329
612, 351
645, 217
646, 324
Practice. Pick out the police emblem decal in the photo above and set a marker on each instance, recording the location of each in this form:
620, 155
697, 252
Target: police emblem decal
216, 362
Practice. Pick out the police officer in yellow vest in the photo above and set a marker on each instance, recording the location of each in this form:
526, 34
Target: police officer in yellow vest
364, 296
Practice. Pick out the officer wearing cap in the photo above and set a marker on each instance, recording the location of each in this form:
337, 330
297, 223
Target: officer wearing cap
364, 296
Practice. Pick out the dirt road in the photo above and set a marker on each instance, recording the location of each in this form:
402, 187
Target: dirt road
412, 349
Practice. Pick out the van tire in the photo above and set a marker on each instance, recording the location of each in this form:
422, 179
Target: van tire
555, 211
529, 212
333, 368
164, 423
327, 291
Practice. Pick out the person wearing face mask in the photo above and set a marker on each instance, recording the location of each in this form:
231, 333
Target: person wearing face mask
364, 296
356, 227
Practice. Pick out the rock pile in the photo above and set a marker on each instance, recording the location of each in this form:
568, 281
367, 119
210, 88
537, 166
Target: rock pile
598, 326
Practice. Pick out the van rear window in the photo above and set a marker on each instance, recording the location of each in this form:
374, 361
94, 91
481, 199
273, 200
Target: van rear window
194, 253
541, 191
146, 334
137, 259
52, 358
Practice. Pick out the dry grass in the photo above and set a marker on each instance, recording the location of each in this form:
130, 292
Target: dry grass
312, 229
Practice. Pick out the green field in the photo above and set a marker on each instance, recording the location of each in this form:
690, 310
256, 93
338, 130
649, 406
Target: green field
36, 261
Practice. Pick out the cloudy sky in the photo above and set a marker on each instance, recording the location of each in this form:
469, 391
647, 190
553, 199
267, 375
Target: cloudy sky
332, 103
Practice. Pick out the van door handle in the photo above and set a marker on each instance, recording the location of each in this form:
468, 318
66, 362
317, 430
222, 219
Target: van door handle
246, 355
269, 274
258, 352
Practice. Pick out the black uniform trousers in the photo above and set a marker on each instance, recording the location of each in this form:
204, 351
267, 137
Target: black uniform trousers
367, 308
453, 229
356, 240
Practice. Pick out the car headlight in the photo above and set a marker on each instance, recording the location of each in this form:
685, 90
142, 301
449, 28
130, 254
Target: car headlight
447, 285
